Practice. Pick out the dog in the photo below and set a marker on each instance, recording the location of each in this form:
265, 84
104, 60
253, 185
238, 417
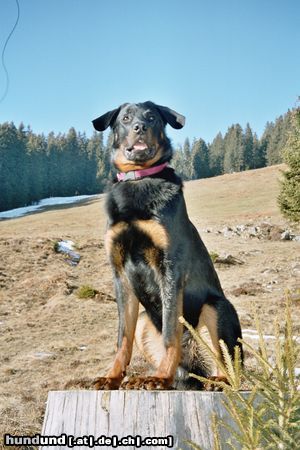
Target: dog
158, 258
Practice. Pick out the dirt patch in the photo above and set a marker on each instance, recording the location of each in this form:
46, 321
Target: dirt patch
251, 288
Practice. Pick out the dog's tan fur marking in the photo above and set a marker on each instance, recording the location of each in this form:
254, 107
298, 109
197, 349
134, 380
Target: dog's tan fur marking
118, 369
112, 233
123, 356
114, 249
152, 257
155, 231
125, 165
209, 319
169, 363
149, 341
151, 344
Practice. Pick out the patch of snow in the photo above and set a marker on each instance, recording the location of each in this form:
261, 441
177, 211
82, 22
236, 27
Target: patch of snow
42, 355
53, 201
67, 247
252, 334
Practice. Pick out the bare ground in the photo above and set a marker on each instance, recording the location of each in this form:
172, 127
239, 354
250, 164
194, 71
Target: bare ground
50, 339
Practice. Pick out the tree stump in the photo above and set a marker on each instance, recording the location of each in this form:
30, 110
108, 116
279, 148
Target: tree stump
184, 415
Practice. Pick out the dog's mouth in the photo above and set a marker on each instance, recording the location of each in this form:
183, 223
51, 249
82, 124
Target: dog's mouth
140, 151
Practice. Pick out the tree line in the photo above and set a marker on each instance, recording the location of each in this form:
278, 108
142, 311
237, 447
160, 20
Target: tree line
35, 166
239, 149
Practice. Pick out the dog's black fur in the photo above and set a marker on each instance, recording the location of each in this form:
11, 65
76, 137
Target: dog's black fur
158, 258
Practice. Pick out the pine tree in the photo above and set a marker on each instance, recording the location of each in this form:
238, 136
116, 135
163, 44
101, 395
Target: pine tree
216, 155
13, 167
275, 147
265, 141
259, 155
98, 154
187, 169
289, 198
275, 138
234, 149
37, 166
249, 151
199, 160
178, 162
55, 165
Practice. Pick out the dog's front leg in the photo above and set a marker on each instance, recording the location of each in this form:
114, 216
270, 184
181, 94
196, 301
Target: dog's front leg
128, 307
172, 300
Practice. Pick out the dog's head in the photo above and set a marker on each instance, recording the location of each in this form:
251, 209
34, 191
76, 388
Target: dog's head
140, 140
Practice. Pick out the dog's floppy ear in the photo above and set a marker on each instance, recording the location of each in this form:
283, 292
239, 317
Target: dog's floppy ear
171, 117
107, 120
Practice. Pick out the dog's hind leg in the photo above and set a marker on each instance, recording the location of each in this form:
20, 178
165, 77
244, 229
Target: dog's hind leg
221, 320
162, 350
151, 345
149, 340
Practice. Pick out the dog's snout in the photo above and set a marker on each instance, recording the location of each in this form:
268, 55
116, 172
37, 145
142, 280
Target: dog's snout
139, 127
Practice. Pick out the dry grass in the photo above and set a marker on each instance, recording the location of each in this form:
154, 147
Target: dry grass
235, 197
50, 338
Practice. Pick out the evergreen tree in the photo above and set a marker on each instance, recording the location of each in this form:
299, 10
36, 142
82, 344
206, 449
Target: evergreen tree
37, 165
8, 141
199, 160
216, 155
71, 164
187, 169
259, 154
13, 167
265, 140
275, 138
275, 147
178, 162
21, 166
55, 165
234, 149
98, 156
249, 150
289, 198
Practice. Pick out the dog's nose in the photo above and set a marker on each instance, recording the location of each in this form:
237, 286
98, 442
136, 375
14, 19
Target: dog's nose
139, 127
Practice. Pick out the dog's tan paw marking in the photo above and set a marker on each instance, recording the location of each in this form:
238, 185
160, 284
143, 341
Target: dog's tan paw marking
146, 383
106, 384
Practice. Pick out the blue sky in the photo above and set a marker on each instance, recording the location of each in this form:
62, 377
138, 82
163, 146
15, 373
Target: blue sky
216, 62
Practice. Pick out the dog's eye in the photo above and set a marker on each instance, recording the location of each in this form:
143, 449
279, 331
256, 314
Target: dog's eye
126, 118
151, 118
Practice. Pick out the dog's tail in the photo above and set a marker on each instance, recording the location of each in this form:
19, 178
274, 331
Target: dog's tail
195, 360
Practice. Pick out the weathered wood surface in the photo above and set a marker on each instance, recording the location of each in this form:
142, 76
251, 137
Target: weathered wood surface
184, 415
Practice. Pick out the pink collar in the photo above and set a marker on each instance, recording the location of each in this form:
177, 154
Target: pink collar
135, 174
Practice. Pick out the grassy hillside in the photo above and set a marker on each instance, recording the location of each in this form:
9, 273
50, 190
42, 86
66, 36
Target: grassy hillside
224, 198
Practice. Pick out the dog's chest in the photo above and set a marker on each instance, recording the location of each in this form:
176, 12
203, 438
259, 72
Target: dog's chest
132, 245
136, 233
137, 241
139, 200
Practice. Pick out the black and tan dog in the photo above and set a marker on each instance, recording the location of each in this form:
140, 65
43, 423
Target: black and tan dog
157, 256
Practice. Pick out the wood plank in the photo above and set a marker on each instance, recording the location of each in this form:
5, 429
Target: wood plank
185, 415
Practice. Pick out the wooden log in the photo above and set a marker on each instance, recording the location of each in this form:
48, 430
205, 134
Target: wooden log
185, 415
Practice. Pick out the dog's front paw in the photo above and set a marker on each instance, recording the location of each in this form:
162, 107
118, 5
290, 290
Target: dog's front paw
147, 383
106, 384
216, 383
